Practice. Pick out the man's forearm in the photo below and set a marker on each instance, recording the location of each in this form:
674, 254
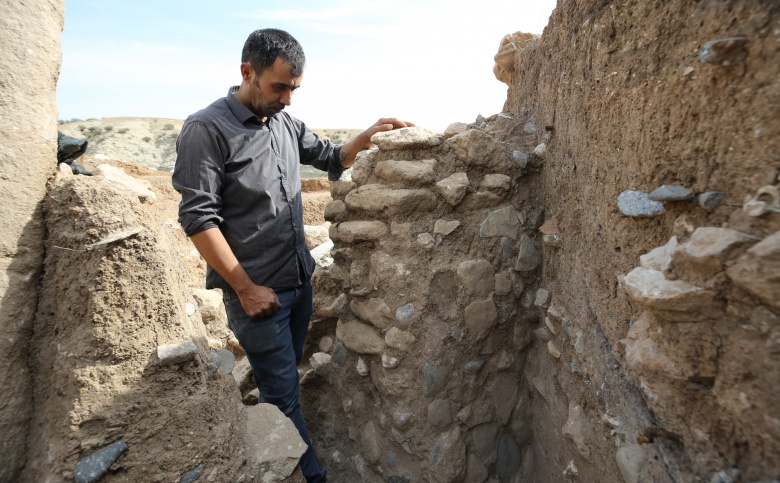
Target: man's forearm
215, 250
256, 300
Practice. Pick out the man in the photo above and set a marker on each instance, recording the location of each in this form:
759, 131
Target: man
238, 174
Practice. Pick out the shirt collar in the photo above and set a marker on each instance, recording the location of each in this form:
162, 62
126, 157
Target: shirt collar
242, 113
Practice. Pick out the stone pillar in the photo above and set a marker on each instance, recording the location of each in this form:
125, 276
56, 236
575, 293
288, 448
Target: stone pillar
30, 56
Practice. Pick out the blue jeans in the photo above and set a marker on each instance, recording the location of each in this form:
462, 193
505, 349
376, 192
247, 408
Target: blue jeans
274, 348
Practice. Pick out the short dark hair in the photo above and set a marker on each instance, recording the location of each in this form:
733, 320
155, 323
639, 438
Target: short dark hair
263, 47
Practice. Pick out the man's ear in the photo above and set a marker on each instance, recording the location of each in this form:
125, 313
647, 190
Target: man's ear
246, 72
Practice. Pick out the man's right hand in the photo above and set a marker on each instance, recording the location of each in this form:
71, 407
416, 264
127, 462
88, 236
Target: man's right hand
258, 301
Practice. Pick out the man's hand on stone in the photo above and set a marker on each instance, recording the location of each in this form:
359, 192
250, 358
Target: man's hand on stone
259, 301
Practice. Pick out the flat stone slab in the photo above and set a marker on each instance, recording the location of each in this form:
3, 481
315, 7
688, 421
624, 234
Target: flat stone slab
178, 353
407, 137
272, 442
637, 204
92, 467
674, 192
379, 199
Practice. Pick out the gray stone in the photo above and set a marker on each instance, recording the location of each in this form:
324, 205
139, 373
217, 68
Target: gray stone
479, 317
520, 158
484, 442
503, 284
380, 200
373, 310
477, 148
543, 334
92, 467
339, 354
732, 475
275, 451
404, 314
477, 277
409, 173
542, 298
660, 258
497, 183
479, 201
448, 458
758, 270
706, 251
528, 257
319, 361
502, 222
225, 360
440, 413
360, 337
710, 200
193, 474
426, 240
406, 138
507, 457
530, 128
444, 227
401, 420
333, 209
178, 353
369, 438
435, 377
726, 52
453, 188
673, 300
455, 128
473, 367
340, 188
540, 151
576, 430
673, 192
631, 460
390, 362
354, 231
553, 349
399, 339
635, 203
242, 373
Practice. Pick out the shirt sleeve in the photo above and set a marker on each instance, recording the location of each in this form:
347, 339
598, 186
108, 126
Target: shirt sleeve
318, 152
198, 175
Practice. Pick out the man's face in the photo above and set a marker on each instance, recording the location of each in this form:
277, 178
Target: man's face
272, 90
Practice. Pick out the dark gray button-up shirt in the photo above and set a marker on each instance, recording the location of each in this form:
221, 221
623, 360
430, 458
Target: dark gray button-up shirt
242, 175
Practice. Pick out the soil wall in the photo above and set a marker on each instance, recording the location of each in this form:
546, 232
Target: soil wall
29, 67
635, 97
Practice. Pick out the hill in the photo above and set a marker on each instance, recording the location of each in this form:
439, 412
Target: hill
151, 142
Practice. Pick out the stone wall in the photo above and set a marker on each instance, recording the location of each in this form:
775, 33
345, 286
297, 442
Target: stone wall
29, 66
437, 295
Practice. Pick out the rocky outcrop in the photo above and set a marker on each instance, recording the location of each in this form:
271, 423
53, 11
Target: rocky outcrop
29, 66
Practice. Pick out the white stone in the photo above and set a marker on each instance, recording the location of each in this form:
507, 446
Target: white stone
673, 300
399, 339
405, 138
315, 235
409, 173
117, 176
361, 367
453, 188
275, 451
444, 227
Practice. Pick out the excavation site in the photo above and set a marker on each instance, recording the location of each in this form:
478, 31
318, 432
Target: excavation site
582, 287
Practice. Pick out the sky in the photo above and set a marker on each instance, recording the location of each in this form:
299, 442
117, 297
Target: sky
425, 61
